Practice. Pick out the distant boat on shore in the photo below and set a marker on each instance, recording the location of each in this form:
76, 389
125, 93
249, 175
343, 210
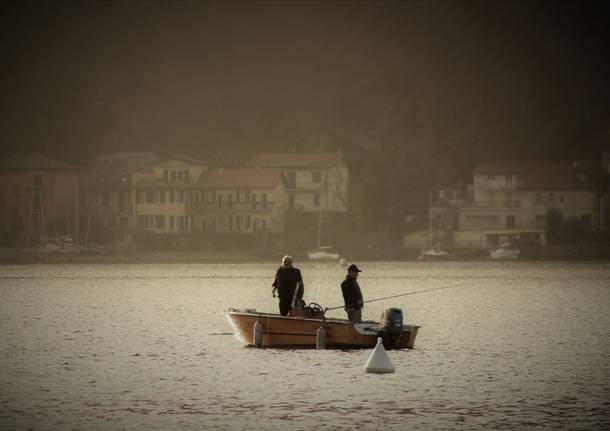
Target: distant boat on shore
505, 252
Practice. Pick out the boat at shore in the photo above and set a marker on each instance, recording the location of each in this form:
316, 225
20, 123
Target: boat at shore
301, 331
324, 253
504, 253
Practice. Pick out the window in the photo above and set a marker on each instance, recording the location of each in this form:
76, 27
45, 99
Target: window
186, 175
316, 177
291, 181
180, 196
316, 200
121, 202
491, 177
146, 221
160, 221
510, 221
172, 196
150, 196
291, 201
248, 222
161, 196
111, 222
171, 223
166, 176
180, 176
538, 198
587, 220
105, 199
173, 176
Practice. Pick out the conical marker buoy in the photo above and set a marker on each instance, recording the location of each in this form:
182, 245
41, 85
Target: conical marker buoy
379, 361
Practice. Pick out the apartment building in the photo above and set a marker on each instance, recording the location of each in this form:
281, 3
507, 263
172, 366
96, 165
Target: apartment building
314, 182
39, 195
162, 193
243, 200
107, 194
511, 201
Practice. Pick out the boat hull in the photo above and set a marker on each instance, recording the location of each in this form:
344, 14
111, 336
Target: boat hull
300, 332
504, 254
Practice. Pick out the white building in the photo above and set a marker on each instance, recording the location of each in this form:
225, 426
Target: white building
163, 193
511, 201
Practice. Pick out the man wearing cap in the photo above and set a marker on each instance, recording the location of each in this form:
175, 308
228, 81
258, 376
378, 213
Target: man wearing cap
352, 295
287, 280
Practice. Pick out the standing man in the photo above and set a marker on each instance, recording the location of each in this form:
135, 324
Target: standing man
287, 280
352, 295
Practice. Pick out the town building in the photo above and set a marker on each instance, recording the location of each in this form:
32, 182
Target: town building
163, 193
511, 201
314, 181
239, 200
107, 195
39, 196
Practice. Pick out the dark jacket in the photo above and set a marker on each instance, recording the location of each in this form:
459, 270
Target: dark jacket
286, 280
351, 292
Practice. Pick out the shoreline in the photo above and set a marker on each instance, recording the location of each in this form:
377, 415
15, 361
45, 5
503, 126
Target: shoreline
595, 253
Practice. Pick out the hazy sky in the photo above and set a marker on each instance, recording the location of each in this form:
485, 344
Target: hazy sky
222, 79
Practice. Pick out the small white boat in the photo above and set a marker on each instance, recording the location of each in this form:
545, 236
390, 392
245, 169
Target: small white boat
324, 253
504, 253
433, 254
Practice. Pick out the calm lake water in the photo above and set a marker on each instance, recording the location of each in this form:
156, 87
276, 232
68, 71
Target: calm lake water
518, 345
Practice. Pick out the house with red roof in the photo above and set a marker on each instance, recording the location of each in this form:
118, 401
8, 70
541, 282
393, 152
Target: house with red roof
39, 196
240, 200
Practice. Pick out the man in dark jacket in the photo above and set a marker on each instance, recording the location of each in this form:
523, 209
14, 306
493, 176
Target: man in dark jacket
287, 280
352, 295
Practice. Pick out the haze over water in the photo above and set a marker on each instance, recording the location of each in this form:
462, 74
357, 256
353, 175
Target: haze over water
518, 345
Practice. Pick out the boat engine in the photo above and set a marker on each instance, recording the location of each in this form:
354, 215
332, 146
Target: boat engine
390, 326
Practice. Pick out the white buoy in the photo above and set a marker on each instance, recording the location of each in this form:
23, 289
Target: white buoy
257, 335
379, 361
321, 338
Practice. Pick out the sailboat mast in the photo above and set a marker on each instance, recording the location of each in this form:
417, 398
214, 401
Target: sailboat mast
430, 218
319, 229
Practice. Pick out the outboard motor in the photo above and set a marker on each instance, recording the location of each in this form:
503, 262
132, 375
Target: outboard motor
391, 325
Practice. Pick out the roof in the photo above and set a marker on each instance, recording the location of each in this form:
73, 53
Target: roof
33, 161
105, 180
240, 178
184, 159
546, 175
295, 160
130, 160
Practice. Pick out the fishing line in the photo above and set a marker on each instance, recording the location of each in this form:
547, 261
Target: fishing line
396, 296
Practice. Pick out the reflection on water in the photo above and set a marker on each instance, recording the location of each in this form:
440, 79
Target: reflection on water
517, 346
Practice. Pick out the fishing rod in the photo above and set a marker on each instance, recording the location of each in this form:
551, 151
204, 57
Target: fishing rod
396, 296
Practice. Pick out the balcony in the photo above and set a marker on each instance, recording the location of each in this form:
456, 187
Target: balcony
201, 207
490, 204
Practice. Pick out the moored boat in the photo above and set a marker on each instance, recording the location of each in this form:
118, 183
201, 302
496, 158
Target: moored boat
300, 332
324, 253
504, 253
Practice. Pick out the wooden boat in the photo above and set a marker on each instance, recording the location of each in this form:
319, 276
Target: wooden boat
300, 332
